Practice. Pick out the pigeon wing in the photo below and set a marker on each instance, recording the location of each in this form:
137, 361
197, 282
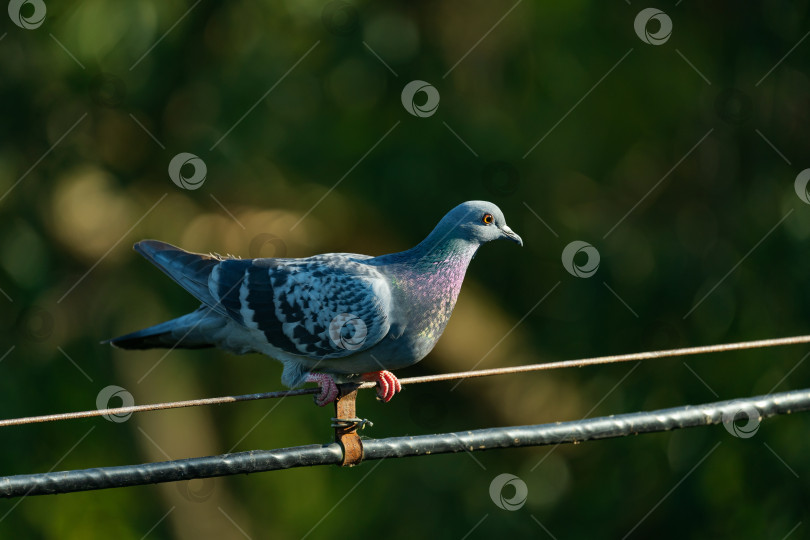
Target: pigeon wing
326, 307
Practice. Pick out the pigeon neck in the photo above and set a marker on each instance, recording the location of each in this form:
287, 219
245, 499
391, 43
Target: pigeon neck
439, 250
433, 279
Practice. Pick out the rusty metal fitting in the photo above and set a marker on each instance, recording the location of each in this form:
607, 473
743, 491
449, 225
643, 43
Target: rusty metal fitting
346, 424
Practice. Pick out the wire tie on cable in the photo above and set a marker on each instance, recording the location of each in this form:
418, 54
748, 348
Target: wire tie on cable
350, 424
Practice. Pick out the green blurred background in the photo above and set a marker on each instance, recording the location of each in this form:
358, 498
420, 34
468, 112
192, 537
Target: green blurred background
82, 180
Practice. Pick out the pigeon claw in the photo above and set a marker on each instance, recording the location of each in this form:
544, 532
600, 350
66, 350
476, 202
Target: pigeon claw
329, 389
387, 384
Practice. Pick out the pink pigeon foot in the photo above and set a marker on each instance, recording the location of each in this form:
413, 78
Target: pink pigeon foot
387, 384
329, 389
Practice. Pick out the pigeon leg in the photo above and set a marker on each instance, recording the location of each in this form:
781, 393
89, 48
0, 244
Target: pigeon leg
329, 389
387, 384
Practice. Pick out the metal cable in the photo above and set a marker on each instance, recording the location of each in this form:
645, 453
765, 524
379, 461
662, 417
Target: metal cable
688, 351
753, 408
668, 353
155, 407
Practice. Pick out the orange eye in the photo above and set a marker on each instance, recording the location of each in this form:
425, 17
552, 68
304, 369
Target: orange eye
488, 219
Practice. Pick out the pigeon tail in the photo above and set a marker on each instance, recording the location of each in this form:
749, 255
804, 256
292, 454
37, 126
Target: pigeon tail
190, 270
186, 332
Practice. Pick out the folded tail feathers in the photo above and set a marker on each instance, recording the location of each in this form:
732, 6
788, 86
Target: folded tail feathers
192, 271
184, 332
163, 340
189, 270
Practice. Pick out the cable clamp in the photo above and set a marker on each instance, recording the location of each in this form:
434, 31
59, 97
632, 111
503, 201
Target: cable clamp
350, 424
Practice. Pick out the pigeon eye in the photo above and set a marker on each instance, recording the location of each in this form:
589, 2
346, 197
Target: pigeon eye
488, 219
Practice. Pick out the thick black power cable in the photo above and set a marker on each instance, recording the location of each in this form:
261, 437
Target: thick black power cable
751, 409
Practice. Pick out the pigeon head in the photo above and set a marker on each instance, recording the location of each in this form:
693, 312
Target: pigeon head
478, 222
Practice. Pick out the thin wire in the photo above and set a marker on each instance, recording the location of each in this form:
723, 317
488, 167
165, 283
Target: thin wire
688, 351
122, 411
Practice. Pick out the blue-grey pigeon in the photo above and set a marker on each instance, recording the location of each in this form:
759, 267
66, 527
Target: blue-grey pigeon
328, 318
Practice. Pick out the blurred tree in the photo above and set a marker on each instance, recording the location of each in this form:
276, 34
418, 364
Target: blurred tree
673, 153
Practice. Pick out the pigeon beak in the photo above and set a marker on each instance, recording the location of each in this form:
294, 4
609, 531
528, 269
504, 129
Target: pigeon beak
511, 235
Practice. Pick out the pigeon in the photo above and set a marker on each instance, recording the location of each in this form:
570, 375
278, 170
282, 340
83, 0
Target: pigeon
330, 318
